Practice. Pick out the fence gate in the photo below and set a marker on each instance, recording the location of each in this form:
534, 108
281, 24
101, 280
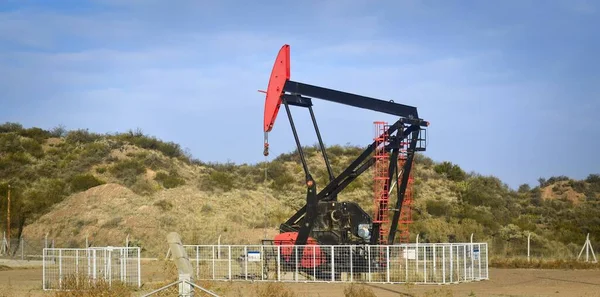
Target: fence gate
72, 268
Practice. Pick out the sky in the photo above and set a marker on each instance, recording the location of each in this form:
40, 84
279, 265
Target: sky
511, 88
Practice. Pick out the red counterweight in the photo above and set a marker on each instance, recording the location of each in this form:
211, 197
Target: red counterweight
279, 75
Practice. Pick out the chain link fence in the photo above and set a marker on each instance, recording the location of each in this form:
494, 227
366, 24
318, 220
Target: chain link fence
407, 263
73, 268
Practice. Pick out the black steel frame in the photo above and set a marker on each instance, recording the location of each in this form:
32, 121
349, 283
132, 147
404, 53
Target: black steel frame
407, 126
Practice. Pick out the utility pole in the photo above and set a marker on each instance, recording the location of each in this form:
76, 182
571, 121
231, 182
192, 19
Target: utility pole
8, 218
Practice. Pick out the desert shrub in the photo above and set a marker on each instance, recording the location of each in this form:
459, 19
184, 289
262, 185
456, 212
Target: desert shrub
169, 149
281, 178
112, 223
10, 127
82, 182
169, 180
423, 160
229, 167
451, 171
96, 151
58, 131
335, 151
81, 136
37, 134
42, 194
10, 143
218, 179
101, 169
144, 187
578, 186
153, 161
593, 179
524, 188
163, 204
437, 208
206, 208
32, 147
127, 171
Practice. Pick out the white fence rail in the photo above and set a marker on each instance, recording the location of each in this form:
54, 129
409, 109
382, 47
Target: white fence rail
407, 263
67, 268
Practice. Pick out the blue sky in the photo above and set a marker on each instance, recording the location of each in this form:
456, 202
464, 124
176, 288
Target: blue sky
511, 88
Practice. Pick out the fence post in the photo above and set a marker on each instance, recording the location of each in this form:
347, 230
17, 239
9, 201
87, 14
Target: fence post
417, 254
387, 259
479, 258
332, 265
434, 263
369, 258
425, 264
246, 262
229, 256
139, 268
22, 252
44, 268
528, 245
278, 262
296, 262
406, 262
443, 264
213, 262
60, 269
451, 266
351, 263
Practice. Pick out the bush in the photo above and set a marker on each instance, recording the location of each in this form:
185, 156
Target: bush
164, 205
81, 136
58, 131
83, 182
127, 171
9, 127
437, 208
143, 187
169, 149
32, 147
10, 143
170, 180
218, 179
280, 176
39, 135
451, 171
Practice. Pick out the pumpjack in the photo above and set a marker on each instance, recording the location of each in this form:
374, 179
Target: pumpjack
323, 220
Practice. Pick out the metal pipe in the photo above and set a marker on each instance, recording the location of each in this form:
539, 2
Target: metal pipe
300, 152
314, 120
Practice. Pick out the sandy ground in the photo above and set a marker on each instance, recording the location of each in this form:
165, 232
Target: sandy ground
27, 280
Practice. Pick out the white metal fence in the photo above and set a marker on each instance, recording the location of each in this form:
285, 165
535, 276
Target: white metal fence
69, 268
406, 263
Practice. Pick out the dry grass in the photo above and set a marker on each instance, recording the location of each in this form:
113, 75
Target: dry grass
83, 287
541, 263
200, 217
358, 290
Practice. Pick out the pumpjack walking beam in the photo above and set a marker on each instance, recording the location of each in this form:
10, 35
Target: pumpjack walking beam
282, 90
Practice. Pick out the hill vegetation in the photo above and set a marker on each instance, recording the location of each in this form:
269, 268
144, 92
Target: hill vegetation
73, 184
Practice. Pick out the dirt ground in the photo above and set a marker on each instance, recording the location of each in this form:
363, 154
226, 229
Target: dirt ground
27, 281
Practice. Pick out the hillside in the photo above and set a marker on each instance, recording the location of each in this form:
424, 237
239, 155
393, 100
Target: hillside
73, 184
